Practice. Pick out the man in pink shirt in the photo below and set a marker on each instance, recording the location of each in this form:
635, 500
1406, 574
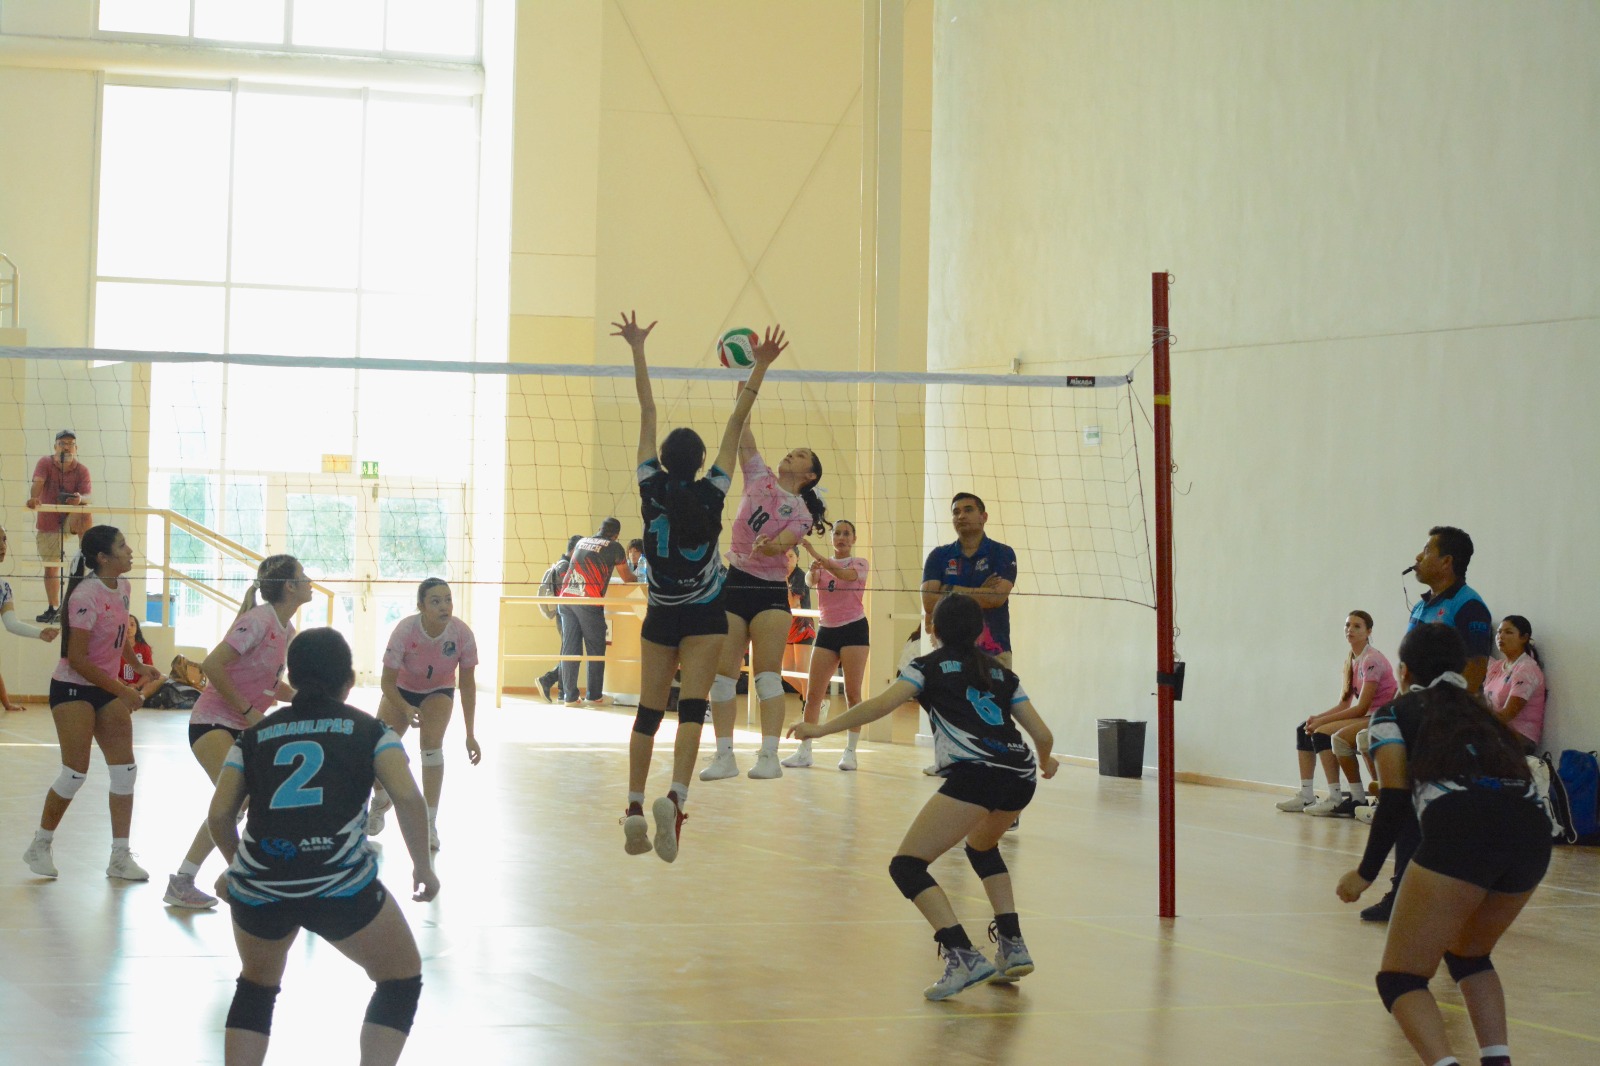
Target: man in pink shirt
58, 478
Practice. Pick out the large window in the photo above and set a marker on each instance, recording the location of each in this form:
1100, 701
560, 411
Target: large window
403, 27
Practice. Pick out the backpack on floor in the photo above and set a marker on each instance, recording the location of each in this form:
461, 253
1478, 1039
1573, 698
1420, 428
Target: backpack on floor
1579, 772
187, 672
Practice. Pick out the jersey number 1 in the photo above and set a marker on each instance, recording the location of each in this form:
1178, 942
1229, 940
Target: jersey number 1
662, 529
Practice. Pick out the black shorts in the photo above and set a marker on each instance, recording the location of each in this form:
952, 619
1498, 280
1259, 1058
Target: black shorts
72, 692
198, 731
1487, 838
669, 625
331, 919
988, 787
850, 635
748, 596
416, 698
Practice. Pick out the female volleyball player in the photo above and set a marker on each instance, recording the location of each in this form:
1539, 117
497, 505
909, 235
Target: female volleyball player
419, 682
1368, 684
8, 614
685, 622
974, 705
1485, 844
89, 700
843, 637
244, 678
304, 863
776, 511
1515, 685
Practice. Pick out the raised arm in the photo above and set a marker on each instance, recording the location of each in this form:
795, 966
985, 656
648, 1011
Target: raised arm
629, 330
840, 573
734, 436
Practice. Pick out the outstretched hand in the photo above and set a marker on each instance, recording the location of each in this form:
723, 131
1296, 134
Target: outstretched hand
629, 330
805, 731
771, 346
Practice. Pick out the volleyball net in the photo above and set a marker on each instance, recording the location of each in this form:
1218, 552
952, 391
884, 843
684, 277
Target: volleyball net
377, 473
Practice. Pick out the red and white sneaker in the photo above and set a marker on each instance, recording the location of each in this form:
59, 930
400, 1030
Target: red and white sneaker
669, 826
635, 830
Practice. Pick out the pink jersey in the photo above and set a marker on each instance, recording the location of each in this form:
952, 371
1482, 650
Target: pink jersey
1371, 665
263, 644
425, 663
765, 510
102, 613
1522, 678
839, 602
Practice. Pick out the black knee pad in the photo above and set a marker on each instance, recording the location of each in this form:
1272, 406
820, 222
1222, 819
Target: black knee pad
1463, 968
647, 721
394, 1003
252, 1007
1392, 985
1302, 739
986, 864
693, 710
910, 875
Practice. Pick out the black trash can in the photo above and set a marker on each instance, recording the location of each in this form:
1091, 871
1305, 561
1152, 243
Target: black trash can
1121, 748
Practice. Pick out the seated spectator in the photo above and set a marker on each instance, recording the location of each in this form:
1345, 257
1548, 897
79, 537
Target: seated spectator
1515, 686
136, 653
1368, 684
636, 560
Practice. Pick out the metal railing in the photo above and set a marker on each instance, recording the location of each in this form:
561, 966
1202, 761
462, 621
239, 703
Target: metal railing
228, 549
10, 301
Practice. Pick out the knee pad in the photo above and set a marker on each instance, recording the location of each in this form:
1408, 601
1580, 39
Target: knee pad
693, 710
122, 777
432, 757
986, 864
769, 685
394, 1003
1392, 985
910, 875
724, 689
1364, 742
252, 1007
1302, 739
1462, 968
646, 721
1342, 747
67, 782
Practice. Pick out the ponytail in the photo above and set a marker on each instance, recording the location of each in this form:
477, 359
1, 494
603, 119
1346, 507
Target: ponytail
958, 623
272, 574
814, 504
1459, 738
94, 543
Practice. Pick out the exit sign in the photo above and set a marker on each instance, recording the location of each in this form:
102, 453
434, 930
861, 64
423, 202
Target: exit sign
369, 469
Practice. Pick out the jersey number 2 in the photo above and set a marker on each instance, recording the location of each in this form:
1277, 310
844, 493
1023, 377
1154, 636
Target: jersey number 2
293, 792
985, 705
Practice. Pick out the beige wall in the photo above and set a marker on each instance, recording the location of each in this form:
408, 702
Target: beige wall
1384, 228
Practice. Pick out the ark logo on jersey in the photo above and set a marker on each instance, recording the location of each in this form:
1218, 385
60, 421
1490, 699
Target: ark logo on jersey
279, 848
316, 844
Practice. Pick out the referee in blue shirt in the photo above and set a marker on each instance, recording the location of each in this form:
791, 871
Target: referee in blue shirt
973, 565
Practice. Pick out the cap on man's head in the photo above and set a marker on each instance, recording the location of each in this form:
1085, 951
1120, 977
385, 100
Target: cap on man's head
65, 433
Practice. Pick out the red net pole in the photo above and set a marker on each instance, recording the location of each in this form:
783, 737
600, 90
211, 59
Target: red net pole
1160, 284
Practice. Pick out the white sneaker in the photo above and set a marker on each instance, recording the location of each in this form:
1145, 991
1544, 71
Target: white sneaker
1323, 808
39, 859
801, 758
932, 769
766, 767
1364, 812
847, 761
124, 868
602, 701
669, 826
721, 767
375, 814
181, 892
963, 968
1296, 803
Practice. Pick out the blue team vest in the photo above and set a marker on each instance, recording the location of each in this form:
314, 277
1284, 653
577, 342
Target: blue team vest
1444, 609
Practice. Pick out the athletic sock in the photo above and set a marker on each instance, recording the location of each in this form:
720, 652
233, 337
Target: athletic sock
46, 835
953, 936
636, 797
1495, 1055
805, 746
1306, 790
188, 869
1008, 925
850, 741
1448, 1060
433, 815
769, 745
724, 745
680, 790
119, 843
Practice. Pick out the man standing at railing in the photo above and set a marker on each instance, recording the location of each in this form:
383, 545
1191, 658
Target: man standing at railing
58, 478
583, 625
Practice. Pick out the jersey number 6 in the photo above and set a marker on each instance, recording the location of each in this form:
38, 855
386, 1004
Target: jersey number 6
985, 705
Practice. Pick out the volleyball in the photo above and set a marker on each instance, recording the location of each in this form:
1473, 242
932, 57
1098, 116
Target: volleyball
738, 348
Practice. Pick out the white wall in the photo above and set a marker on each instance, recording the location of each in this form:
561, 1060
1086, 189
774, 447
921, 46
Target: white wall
1385, 230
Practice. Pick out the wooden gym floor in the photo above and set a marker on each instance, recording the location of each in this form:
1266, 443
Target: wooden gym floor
776, 938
